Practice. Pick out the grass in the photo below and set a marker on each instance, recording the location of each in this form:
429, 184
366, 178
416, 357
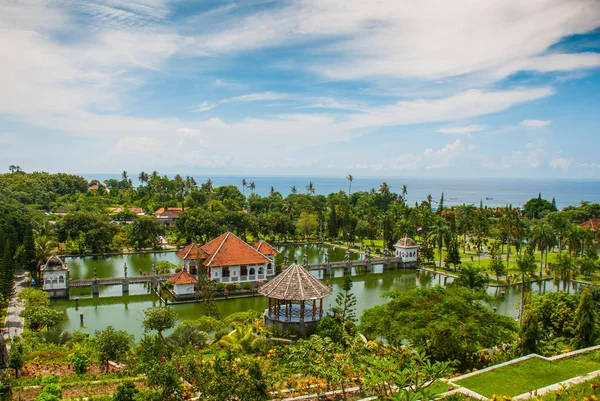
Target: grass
530, 375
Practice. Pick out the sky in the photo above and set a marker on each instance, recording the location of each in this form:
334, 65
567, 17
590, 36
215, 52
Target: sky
434, 88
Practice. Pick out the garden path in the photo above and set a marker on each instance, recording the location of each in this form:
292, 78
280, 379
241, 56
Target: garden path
13, 325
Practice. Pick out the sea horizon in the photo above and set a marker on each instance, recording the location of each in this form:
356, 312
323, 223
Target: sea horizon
491, 191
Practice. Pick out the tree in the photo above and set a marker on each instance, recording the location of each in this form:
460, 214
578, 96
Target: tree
37, 313
160, 319
526, 267
125, 392
15, 360
471, 277
350, 178
496, 265
307, 224
112, 344
143, 232
244, 185
530, 334
310, 188
564, 269
165, 378
252, 186
190, 333
446, 323
586, 331
452, 252
293, 190
345, 303
332, 224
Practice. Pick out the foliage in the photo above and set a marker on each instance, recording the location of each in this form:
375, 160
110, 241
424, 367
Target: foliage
112, 344
89, 230
15, 360
345, 303
446, 323
37, 313
125, 392
231, 378
190, 333
160, 319
80, 361
472, 277
332, 328
143, 232
586, 331
530, 334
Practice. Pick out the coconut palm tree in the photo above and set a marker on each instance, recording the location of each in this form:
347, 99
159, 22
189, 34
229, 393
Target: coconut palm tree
526, 267
472, 278
124, 176
439, 231
252, 186
542, 236
402, 196
143, 178
509, 222
384, 188
244, 185
564, 269
310, 188
350, 178
293, 189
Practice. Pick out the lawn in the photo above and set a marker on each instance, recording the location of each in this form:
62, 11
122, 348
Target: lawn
530, 375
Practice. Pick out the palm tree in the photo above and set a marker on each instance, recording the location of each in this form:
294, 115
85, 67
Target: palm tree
564, 269
143, 178
464, 214
526, 267
310, 188
252, 186
542, 236
472, 278
272, 191
509, 222
439, 231
429, 199
124, 176
293, 190
242, 339
403, 192
244, 185
384, 188
350, 178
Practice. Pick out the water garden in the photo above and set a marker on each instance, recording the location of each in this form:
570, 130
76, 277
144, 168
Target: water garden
125, 311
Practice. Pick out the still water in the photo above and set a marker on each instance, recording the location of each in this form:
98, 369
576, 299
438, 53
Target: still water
126, 312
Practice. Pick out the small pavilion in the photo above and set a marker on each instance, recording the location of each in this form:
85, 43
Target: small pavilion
55, 277
184, 285
407, 250
295, 300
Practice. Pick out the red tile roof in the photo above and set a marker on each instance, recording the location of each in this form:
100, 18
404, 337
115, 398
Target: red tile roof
93, 187
229, 250
264, 248
169, 209
183, 277
192, 252
591, 224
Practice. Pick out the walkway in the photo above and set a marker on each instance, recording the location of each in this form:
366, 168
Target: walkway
13, 326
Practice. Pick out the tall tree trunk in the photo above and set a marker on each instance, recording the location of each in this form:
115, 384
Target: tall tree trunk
522, 300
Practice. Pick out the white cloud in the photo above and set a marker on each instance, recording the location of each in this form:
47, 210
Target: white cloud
590, 165
540, 143
428, 159
462, 130
462, 105
562, 163
431, 39
330, 103
535, 123
515, 159
256, 97
534, 157
204, 106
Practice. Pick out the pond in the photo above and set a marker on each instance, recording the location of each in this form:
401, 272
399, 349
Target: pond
126, 312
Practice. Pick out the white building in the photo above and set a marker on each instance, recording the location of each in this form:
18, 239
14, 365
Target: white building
229, 259
55, 276
184, 285
407, 250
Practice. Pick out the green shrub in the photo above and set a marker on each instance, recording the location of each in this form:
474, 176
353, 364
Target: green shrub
80, 361
247, 285
220, 286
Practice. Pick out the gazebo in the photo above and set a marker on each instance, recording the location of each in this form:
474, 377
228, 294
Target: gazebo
295, 300
407, 250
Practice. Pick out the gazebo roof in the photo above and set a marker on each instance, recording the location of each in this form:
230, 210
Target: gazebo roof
295, 284
406, 243
183, 277
54, 263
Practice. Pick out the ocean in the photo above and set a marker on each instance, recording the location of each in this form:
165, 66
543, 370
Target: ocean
491, 191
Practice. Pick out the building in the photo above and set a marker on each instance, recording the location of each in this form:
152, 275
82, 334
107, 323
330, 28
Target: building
407, 250
55, 276
295, 300
229, 259
592, 225
267, 250
184, 285
168, 215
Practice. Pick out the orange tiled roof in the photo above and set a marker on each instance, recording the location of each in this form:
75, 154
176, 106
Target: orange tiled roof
170, 212
229, 250
591, 224
192, 252
93, 187
183, 277
264, 248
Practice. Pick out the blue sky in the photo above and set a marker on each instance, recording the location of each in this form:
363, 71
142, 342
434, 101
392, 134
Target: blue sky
501, 88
